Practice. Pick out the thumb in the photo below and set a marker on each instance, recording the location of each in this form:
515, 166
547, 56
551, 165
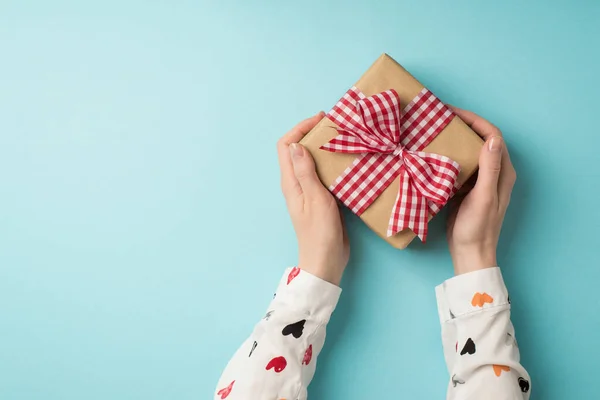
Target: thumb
490, 162
304, 169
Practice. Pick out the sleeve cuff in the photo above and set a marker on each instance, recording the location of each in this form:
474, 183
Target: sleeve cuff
472, 292
305, 292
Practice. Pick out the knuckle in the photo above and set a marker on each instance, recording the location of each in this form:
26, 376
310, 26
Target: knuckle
302, 172
280, 144
495, 168
323, 199
511, 175
488, 200
505, 201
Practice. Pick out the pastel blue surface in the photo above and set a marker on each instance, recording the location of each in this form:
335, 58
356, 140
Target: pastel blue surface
142, 231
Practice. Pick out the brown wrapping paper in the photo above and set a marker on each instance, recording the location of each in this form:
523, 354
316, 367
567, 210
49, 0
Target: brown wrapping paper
456, 141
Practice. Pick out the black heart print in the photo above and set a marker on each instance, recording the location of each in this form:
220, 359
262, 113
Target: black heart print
268, 315
469, 347
294, 329
457, 381
524, 385
253, 347
509, 339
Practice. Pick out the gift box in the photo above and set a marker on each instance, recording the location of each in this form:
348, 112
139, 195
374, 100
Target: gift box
392, 152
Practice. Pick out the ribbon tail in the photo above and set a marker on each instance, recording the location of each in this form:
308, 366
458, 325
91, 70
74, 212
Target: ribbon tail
410, 210
435, 208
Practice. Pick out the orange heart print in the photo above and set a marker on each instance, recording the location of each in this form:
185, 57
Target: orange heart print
499, 368
479, 299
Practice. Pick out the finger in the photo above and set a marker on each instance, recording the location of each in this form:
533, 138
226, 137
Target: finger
304, 171
467, 186
288, 179
453, 213
482, 127
508, 177
300, 130
490, 165
488, 131
344, 229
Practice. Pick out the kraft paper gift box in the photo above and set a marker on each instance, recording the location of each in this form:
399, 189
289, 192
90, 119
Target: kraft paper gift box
456, 141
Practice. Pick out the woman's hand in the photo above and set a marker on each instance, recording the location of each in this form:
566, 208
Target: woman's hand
476, 219
323, 247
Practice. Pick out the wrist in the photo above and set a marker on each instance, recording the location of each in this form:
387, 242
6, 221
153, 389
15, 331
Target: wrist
331, 275
471, 259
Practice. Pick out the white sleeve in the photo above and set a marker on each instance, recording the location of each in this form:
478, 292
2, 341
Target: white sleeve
279, 358
479, 340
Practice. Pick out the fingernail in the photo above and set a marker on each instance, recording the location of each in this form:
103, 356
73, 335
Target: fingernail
495, 144
295, 150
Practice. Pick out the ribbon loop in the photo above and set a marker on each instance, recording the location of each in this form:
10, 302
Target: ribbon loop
390, 143
433, 175
380, 114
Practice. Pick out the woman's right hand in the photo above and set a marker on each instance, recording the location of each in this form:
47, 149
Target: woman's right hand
476, 219
323, 248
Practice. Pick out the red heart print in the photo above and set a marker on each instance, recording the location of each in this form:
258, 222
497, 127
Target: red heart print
307, 356
293, 273
278, 364
225, 391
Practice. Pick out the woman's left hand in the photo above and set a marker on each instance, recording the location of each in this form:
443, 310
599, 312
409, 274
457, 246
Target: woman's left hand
323, 247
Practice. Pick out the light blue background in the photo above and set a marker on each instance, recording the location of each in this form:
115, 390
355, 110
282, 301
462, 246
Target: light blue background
142, 231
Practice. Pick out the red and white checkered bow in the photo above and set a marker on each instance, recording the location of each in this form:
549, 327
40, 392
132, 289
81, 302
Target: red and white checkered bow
391, 144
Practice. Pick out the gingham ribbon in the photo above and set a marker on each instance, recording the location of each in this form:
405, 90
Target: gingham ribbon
390, 144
